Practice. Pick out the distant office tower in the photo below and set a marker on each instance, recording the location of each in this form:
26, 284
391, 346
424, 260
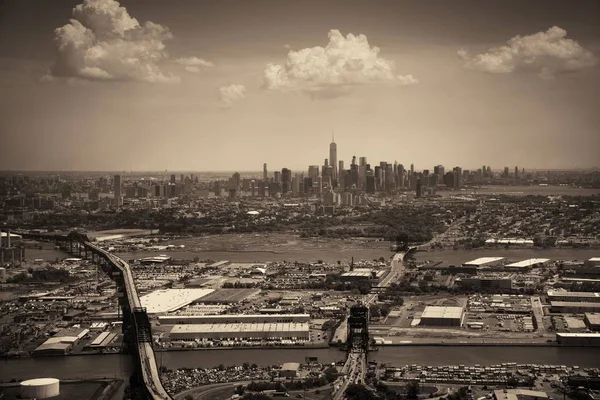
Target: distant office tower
412, 169
172, 178
505, 173
370, 182
438, 170
516, 172
401, 177
286, 180
277, 177
313, 172
457, 177
333, 157
390, 179
341, 174
265, 174
117, 189
308, 186
418, 193
353, 160
296, 185
362, 161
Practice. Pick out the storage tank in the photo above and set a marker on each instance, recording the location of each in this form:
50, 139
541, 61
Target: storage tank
41, 388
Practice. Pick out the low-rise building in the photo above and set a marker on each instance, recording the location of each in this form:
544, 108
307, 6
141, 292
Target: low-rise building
289, 370
252, 331
486, 262
519, 394
442, 316
483, 282
592, 321
578, 339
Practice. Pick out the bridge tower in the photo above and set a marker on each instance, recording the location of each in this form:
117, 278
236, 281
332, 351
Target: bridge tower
358, 329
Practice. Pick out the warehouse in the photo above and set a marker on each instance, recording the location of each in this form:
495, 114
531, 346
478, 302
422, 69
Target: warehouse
574, 307
578, 339
229, 296
289, 370
527, 264
354, 276
442, 316
592, 321
483, 282
169, 300
233, 319
563, 295
61, 343
485, 262
593, 262
256, 331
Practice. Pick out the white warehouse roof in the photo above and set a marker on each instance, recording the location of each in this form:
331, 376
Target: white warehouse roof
241, 327
168, 300
529, 262
484, 260
442, 312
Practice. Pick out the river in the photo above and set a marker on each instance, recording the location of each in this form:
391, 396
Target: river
95, 366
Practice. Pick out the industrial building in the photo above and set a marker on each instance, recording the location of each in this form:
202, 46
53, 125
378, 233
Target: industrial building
289, 370
592, 321
593, 262
442, 316
482, 282
353, 276
485, 262
233, 319
563, 295
61, 343
229, 296
169, 300
254, 331
573, 307
519, 394
527, 264
578, 339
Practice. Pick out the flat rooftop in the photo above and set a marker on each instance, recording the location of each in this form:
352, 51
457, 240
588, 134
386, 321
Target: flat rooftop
442, 312
241, 327
229, 295
554, 293
578, 304
527, 263
168, 300
593, 318
581, 335
484, 260
216, 318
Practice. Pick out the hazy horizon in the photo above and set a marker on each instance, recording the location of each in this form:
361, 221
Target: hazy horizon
225, 86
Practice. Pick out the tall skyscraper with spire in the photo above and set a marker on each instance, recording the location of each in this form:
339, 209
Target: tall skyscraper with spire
333, 157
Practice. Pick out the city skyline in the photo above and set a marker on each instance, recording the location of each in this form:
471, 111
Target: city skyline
206, 89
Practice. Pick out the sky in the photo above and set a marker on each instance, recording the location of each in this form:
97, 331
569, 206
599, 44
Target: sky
221, 85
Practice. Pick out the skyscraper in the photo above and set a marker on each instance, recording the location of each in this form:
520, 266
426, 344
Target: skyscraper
333, 157
117, 189
286, 180
265, 172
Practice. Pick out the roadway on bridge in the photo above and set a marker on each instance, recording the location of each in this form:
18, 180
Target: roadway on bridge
147, 360
355, 368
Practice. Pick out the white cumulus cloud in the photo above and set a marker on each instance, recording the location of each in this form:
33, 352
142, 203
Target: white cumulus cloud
194, 64
546, 53
103, 42
232, 93
333, 70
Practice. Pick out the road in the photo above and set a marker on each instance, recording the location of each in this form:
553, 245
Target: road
355, 368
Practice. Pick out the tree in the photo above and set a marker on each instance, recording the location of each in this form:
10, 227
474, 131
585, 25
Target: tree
412, 390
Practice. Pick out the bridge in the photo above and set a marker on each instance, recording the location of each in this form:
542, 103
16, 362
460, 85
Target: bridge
137, 330
355, 368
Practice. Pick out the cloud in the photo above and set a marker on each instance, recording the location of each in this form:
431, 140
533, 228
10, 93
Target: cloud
103, 42
232, 93
546, 53
344, 63
193, 64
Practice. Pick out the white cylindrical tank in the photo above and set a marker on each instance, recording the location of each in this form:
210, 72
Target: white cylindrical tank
41, 388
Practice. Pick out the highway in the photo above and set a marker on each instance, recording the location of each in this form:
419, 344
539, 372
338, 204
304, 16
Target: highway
150, 372
355, 368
